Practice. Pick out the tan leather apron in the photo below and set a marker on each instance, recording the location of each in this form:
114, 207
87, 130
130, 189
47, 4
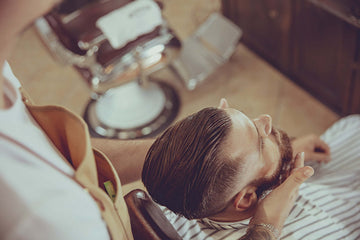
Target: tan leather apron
69, 133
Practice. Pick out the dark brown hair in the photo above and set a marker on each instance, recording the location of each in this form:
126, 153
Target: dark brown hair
185, 169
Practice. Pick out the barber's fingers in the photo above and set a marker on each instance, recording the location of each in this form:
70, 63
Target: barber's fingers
319, 157
322, 146
299, 175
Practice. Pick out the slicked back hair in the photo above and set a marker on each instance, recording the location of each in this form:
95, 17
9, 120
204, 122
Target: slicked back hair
185, 169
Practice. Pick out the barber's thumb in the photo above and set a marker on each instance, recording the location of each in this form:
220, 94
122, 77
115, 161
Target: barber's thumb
300, 175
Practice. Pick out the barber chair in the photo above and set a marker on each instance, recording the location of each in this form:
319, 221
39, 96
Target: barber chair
209, 47
147, 219
126, 102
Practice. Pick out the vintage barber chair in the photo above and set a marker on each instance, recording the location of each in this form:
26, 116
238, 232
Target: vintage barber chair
147, 220
125, 102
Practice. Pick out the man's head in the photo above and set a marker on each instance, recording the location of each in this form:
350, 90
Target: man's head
216, 162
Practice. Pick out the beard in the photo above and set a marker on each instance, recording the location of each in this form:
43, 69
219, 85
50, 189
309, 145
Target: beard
287, 164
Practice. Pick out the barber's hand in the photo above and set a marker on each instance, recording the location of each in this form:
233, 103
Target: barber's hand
315, 149
275, 207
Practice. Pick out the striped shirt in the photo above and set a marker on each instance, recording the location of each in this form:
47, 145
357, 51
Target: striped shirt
328, 206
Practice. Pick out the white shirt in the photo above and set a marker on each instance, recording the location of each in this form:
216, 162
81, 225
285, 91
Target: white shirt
37, 201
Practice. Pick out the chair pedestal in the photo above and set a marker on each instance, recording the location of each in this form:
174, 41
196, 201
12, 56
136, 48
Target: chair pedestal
132, 111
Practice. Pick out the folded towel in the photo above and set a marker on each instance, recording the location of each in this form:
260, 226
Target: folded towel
129, 22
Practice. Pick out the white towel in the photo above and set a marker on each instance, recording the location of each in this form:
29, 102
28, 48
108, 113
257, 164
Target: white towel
129, 22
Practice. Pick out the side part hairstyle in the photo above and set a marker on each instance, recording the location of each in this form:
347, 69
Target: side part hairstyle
185, 169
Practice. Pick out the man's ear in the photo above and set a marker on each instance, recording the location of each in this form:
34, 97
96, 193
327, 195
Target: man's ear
245, 199
223, 104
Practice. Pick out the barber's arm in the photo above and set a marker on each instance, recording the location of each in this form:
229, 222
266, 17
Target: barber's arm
273, 210
126, 156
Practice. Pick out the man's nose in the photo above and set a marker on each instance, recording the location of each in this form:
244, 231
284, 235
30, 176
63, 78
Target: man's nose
264, 124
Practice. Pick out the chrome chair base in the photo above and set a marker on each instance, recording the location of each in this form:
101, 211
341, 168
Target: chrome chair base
132, 111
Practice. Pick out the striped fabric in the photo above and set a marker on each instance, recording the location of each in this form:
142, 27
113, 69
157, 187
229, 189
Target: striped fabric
328, 206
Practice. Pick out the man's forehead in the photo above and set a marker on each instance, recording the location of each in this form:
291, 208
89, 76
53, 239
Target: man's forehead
240, 118
242, 140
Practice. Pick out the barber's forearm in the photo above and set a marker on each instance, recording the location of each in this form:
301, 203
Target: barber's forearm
126, 156
258, 233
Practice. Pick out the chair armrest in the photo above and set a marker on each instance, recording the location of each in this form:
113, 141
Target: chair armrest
147, 219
